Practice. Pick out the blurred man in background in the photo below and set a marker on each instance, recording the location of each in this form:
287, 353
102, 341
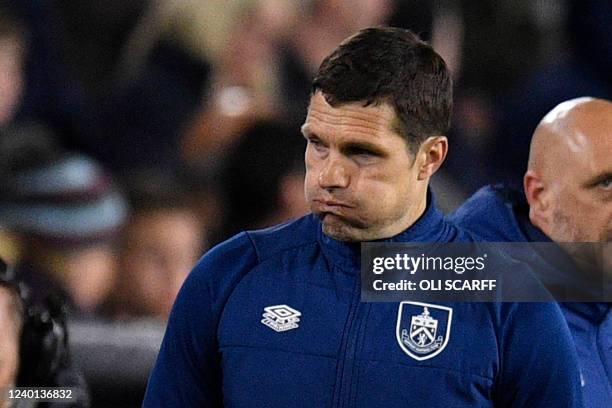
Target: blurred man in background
162, 239
265, 167
567, 199
65, 211
12, 50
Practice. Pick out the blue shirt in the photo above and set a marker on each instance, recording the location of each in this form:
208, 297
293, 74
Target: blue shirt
273, 318
498, 213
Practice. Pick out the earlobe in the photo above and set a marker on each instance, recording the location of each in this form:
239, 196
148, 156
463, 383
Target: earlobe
534, 188
536, 198
432, 153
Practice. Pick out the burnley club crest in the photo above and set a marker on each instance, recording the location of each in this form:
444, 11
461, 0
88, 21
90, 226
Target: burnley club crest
423, 329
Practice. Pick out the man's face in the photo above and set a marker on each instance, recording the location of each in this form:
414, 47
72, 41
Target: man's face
360, 177
162, 247
582, 193
89, 290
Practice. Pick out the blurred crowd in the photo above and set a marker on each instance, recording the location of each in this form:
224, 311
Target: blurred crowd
136, 134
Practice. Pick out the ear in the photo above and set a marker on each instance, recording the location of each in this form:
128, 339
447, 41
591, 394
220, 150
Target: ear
431, 155
537, 198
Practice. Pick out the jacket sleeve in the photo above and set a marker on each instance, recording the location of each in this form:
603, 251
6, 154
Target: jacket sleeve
539, 365
187, 372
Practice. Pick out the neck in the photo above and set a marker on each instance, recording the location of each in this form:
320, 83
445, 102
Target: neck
408, 220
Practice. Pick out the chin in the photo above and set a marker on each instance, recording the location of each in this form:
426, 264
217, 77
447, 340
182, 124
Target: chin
347, 233
340, 230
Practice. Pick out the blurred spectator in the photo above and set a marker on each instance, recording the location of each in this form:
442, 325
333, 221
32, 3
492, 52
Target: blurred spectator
161, 242
323, 25
49, 92
492, 45
12, 49
34, 349
9, 245
93, 36
245, 89
263, 181
65, 211
583, 69
148, 115
155, 90
245, 83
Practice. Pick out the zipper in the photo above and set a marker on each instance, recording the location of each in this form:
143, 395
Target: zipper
346, 363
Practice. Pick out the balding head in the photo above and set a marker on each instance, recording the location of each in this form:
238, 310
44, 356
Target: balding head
569, 176
570, 132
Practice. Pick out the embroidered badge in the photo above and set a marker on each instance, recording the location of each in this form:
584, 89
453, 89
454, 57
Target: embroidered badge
281, 318
423, 329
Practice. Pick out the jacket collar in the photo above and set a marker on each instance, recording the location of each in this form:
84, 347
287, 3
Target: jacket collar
594, 312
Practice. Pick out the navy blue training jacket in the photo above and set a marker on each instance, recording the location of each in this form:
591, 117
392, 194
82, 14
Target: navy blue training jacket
273, 319
498, 213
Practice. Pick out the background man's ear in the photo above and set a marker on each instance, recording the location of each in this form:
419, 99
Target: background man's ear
535, 193
431, 155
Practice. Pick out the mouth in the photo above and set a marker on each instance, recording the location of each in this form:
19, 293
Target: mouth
328, 206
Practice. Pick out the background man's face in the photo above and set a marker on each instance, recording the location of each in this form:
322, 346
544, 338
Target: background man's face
360, 178
582, 195
162, 247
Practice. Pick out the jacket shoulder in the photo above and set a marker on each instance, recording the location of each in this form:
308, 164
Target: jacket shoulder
273, 241
488, 214
226, 264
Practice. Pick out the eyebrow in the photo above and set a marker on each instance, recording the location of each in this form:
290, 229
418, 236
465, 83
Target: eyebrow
363, 145
349, 146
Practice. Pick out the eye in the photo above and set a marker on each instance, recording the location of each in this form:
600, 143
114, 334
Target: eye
605, 184
317, 144
362, 155
365, 153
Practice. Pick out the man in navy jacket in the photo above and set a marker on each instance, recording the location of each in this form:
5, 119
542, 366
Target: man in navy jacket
568, 198
273, 318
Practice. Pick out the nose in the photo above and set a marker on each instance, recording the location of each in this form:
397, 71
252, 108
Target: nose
334, 174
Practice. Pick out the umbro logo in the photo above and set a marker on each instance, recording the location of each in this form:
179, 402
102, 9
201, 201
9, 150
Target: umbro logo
281, 318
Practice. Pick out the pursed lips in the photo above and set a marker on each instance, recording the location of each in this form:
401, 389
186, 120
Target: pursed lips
332, 206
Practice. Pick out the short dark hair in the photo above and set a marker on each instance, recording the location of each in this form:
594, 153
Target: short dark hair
387, 64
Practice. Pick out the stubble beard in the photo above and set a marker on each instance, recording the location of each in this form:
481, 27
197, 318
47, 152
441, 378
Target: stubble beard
342, 229
564, 230
353, 230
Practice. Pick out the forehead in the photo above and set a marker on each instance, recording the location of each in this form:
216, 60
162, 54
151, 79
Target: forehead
602, 147
594, 140
594, 121
373, 121
601, 164
593, 132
